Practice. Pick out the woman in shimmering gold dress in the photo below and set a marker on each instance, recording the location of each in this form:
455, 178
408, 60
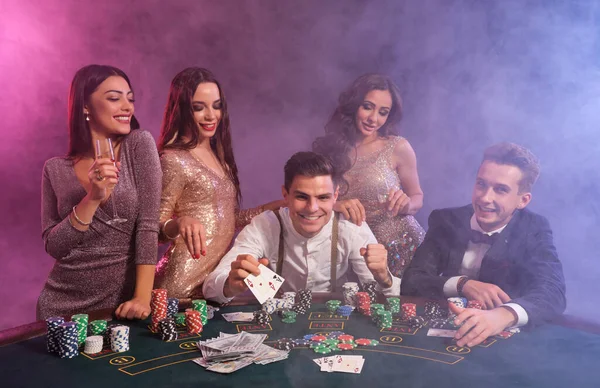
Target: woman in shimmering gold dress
381, 183
199, 210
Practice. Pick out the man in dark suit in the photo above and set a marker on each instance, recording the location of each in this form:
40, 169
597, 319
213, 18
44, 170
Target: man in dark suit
494, 250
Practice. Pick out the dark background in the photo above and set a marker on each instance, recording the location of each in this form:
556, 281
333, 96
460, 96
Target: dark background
472, 73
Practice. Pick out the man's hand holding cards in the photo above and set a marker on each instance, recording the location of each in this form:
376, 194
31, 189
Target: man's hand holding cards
265, 285
247, 272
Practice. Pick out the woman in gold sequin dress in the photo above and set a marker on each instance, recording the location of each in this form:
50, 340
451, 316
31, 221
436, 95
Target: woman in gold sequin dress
381, 183
199, 210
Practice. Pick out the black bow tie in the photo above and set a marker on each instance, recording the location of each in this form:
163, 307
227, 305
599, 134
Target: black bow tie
482, 238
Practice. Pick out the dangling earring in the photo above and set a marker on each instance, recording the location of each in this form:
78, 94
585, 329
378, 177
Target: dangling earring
87, 116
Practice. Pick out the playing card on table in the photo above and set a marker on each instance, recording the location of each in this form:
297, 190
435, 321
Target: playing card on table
441, 333
348, 364
238, 317
265, 285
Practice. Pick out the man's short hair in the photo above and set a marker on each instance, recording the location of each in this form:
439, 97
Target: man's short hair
518, 156
309, 164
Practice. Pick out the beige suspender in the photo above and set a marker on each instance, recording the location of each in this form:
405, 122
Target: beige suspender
334, 248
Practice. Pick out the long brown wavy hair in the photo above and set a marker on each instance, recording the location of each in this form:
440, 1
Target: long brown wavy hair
341, 133
179, 129
85, 82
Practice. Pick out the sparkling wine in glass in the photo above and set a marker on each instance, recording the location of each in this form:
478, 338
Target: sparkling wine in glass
104, 149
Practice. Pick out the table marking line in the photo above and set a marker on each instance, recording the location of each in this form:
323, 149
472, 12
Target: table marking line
161, 357
154, 368
412, 355
411, 347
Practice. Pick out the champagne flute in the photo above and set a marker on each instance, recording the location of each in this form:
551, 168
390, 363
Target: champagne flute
105, 149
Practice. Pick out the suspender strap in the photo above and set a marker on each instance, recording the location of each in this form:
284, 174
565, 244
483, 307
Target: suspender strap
334, 250
280, 258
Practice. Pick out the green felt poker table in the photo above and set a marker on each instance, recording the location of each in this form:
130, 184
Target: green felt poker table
548, 356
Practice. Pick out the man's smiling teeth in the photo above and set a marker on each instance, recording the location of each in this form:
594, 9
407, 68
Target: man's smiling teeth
483, 209
310, 218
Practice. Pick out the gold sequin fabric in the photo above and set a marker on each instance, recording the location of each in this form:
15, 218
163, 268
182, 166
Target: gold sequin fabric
370, 179
190, 188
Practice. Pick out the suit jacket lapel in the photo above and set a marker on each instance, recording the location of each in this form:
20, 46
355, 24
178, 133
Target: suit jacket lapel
495, 262
457, 252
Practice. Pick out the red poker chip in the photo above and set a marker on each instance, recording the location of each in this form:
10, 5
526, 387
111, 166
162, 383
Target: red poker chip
363, 341
345, 337
345, 346
318, 338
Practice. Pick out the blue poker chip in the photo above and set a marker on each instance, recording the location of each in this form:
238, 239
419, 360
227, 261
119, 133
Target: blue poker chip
308, 336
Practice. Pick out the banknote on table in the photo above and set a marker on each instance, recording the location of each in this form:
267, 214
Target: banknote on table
230, 352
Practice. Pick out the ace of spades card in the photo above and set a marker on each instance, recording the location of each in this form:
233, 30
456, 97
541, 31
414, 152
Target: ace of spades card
265, 285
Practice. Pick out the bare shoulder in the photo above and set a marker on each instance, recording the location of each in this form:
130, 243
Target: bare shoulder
403, 152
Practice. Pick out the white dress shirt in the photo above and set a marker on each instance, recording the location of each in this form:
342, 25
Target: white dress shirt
307, 261
471, 265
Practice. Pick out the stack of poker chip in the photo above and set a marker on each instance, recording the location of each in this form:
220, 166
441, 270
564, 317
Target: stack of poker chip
81, 320
371, 289
288, 316
97, 327
393, 305
408, 310
52, 325
289, 298
159, 307
304, 299
193, 321
180, 319
416, 322
200, 306
261, 317
363, 302
108, 334
210, 311
172, 307
439, 323
284, 344
93, 344
67, 339
376, 307
119, 339
475, 304
383, 318
345, 310
332, 305
270, 305
168, 329
349, 290
433, 310
458, 302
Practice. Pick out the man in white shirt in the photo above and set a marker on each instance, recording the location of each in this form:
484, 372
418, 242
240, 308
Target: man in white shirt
493, 250
309, 227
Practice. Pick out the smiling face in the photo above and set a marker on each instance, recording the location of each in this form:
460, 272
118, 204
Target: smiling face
110, 108
207, 108
310, 202
373, 113
496, 195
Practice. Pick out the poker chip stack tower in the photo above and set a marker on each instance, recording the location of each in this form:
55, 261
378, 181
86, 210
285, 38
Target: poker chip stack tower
158, 307
349, 290
200, 306
304, 299
52, 325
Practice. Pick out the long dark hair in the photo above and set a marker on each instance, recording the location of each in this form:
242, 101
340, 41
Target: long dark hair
86, 81
179, 129
341, 132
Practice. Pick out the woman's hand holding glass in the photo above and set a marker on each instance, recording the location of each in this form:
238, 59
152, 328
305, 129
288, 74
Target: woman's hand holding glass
398, 202
103, 176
